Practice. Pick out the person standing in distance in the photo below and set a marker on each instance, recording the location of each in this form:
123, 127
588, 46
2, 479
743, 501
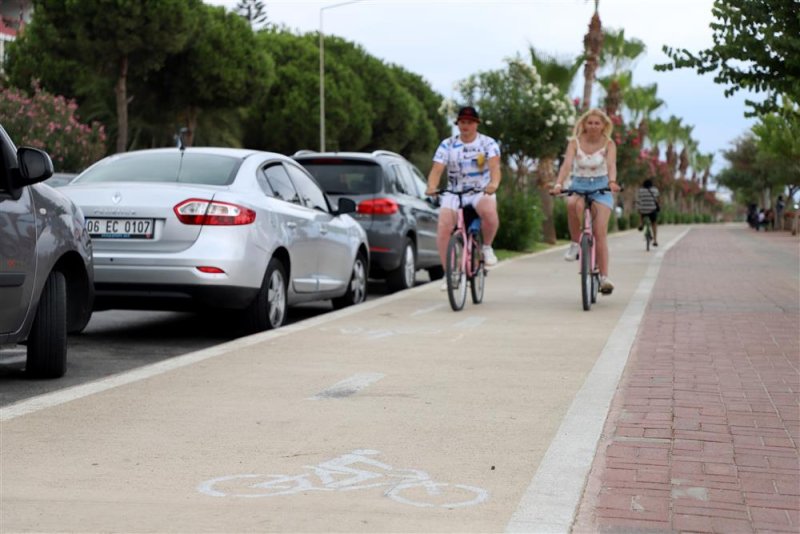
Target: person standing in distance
591, 159
472, 160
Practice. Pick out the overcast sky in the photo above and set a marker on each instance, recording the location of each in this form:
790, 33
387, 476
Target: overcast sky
447, 40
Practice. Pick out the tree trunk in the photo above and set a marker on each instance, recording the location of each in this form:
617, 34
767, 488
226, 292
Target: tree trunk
592, 44
121, 92
545, 174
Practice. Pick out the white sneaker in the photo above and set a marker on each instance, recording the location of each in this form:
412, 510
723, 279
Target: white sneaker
572, 253
443, 287
489, 259
606, 287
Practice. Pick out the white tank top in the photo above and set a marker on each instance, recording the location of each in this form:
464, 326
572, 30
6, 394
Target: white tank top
589, 165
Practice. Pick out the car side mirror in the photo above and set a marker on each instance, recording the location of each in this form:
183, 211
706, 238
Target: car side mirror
34, 166
346, 205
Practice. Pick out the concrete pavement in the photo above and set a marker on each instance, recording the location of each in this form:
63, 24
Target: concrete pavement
402, 416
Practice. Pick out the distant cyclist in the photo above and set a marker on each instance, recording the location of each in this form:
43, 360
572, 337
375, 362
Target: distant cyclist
472, 160
591, 159
647, 206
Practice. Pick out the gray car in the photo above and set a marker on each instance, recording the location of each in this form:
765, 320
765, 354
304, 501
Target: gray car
399, 218
195, 228
45, 261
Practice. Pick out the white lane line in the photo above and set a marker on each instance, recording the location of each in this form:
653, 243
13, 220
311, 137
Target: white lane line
470, 322
48, 400
551, 501
348, 386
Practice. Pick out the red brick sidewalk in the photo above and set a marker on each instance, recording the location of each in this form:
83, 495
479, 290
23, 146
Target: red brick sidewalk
703, 432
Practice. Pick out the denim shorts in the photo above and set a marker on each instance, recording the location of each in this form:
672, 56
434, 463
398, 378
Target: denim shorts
590, 184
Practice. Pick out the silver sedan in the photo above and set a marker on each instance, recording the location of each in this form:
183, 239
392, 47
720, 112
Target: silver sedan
186, 229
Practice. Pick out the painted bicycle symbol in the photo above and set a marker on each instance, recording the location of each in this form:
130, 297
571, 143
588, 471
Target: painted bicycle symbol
406, 486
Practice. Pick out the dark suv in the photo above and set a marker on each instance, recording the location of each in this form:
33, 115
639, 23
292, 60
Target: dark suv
46, 271
392, 207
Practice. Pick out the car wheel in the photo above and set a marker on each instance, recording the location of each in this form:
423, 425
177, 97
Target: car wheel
80, 326
403, 277
357, 288
47, 341
436, 273
268, 309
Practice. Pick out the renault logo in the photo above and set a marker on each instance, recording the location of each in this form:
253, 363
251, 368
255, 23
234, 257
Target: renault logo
116, 198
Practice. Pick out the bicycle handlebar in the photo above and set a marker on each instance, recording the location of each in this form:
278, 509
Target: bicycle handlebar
568, 192
462, 192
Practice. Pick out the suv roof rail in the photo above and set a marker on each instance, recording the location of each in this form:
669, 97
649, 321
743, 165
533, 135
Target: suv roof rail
386, 153
304, 152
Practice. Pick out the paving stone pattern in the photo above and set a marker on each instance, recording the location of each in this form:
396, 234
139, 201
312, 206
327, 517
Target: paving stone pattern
703, 432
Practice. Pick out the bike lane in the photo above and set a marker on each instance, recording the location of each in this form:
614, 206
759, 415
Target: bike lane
398, 415
702, 435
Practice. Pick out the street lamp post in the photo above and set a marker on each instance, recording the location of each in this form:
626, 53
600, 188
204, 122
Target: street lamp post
322, 73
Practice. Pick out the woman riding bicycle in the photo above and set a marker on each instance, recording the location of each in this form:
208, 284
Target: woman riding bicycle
472, 160
592, 159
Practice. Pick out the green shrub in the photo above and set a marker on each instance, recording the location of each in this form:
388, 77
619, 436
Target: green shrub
560, 218
520, 221
622, 222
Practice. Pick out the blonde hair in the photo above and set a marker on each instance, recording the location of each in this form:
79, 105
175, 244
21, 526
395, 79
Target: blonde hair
608, 126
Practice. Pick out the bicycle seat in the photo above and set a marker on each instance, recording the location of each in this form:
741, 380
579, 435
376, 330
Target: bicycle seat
471, 219
474, 226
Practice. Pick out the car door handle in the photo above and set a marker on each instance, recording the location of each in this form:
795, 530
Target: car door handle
291, 225
323, 230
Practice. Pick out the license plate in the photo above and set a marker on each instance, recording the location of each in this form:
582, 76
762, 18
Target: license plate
120, 228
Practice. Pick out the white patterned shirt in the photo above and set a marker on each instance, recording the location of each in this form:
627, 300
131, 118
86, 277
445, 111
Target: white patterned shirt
467, 164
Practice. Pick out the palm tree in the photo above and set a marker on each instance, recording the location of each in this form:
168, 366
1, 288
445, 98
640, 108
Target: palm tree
560, 74
618, 54
642, 101
592, 45
615, 87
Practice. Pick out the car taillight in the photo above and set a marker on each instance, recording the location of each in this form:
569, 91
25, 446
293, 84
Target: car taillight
210, 270
212, 213
377, 206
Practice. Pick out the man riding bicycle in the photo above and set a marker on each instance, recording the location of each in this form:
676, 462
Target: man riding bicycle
472, 160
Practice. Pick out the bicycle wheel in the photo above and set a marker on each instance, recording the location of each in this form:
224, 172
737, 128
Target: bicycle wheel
428, 494
595, 286
454, 270
477, 275
586, 272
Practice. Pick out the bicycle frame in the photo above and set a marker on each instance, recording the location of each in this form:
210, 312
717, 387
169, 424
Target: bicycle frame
648, 231
470, 266
587, 255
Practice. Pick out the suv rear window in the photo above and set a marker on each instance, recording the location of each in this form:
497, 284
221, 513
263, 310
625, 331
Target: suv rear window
340, 177
208, 169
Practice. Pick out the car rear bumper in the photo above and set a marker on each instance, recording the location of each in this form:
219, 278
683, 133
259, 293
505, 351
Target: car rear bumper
171, 296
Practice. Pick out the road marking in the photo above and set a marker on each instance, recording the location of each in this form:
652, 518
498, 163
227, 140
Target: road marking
470, 322
338, 474
551, 501
428, 309
348, 386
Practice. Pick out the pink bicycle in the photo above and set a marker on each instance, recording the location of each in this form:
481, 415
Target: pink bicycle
464, 262
587, 259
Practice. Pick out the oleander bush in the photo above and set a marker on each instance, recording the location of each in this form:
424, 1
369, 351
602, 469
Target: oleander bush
51, 122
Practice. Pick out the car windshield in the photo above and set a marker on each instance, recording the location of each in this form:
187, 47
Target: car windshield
193, 168
339, 177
